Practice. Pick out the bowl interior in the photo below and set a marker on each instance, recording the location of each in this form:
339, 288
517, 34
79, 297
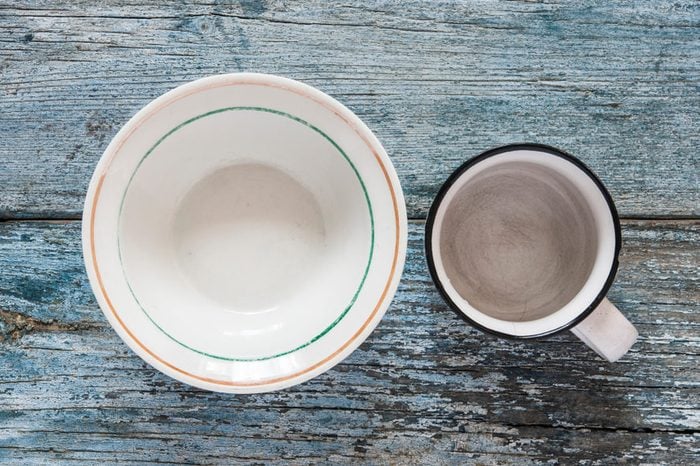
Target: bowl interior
246, 233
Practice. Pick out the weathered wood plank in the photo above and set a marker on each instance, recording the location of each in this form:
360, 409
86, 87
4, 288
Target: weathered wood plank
438, 82
616, 85
265, 436
423, 388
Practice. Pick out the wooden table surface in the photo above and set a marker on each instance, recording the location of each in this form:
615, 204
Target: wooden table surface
438, 82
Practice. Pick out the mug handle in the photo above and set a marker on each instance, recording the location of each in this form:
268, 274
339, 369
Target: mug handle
607, 331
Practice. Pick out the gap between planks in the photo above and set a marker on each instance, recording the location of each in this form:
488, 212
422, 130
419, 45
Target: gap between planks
71, 218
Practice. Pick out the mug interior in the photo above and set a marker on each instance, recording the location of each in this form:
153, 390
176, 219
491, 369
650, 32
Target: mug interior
523, 242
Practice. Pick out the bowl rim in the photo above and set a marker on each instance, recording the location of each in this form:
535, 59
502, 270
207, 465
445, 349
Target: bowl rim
97, 280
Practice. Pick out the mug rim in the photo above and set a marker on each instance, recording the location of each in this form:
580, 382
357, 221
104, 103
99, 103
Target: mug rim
458, 173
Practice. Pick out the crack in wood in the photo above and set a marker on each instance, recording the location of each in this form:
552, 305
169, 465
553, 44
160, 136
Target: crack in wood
598, 428
15, 325
69, 217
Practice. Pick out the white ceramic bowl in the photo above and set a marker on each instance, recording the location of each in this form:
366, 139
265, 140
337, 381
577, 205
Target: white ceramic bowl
244, 232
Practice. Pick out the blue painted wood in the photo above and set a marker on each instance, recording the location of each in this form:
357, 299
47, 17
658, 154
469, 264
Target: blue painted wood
423, 388
615, 84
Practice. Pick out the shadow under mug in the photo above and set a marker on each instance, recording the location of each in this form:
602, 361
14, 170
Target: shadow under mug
522, 241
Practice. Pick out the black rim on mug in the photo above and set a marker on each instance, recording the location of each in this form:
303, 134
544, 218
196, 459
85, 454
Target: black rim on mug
458, 174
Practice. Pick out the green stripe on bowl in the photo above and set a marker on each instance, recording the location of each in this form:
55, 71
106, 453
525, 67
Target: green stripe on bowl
364, 190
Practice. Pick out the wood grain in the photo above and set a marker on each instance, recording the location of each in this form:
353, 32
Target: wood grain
423, 388
616, 85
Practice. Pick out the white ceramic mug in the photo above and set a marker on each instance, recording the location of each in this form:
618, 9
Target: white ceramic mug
523, 241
